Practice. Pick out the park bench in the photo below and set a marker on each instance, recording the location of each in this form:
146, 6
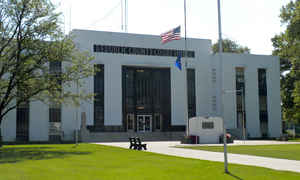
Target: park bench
140, 146
137, 144
132, 141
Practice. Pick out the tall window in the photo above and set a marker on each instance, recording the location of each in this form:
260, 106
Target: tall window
144, 79
240, 97
22, 126
54, 107
99, 95
55, 67
55, 112
129, 84
191, 92
55, 128
263, 103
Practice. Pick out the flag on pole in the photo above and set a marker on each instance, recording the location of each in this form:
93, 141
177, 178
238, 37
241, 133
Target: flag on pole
178, 62
173, 34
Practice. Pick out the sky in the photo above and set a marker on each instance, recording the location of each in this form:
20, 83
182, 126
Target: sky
250, 23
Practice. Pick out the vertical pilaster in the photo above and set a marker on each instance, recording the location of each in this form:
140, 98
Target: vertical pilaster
274, 108
113, 94
38, 121
9, 125
178, 95
252, 105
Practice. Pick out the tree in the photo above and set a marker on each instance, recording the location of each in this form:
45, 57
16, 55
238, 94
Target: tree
287, 47
31, 40
231, 47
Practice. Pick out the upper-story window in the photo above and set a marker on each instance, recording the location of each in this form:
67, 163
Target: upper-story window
55, 66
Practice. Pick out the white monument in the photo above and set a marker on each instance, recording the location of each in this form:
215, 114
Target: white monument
208, 129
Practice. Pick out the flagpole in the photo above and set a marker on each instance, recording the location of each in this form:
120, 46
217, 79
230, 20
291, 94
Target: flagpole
185, 72
222, 90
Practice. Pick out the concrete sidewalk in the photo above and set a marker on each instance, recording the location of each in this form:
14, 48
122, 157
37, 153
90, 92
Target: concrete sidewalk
272, 163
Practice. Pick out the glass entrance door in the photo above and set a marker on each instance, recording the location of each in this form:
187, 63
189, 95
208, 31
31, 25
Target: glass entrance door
144, 123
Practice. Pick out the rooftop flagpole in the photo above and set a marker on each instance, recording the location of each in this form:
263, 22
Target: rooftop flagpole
185, 74
126, 16
222, 89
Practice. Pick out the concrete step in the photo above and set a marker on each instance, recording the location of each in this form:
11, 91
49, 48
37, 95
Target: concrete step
124, 136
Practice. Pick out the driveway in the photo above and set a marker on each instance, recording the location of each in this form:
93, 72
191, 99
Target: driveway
167, 148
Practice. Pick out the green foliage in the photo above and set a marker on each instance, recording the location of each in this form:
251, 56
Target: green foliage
287, 47
31, 40
230, 46
295, 140
89, 161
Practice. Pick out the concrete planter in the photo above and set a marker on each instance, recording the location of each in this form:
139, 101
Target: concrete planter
229, 139
187, 140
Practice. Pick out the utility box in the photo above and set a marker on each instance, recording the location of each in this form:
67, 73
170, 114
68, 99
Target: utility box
208, 129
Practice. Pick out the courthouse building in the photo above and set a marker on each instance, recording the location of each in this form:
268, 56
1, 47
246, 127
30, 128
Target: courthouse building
140, 92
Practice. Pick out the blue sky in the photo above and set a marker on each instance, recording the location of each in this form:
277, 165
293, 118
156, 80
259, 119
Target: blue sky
251, 23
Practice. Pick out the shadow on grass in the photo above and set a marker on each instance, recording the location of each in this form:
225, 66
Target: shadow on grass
234, 176
18, 154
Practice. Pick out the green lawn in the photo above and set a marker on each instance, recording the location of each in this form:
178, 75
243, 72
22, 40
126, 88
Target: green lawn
95, 162
283, 151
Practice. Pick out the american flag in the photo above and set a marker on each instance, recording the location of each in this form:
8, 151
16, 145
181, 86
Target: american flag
173, 34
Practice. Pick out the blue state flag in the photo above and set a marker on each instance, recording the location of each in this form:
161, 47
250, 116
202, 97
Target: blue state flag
178, 62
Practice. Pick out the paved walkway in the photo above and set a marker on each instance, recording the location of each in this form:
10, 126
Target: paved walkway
272, 163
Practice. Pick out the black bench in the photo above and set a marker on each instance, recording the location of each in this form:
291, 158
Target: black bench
133, 144
140, 146
137, 144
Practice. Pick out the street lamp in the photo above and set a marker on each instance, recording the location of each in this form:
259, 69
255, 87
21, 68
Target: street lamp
222, 91
76, 117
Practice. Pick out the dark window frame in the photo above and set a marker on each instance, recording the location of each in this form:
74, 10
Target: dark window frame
207, 125
263, 101
99, 91
191, 83
240, 100
22, 122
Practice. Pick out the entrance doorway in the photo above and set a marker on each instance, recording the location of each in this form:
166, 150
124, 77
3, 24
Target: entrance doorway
146, 95
144, 123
